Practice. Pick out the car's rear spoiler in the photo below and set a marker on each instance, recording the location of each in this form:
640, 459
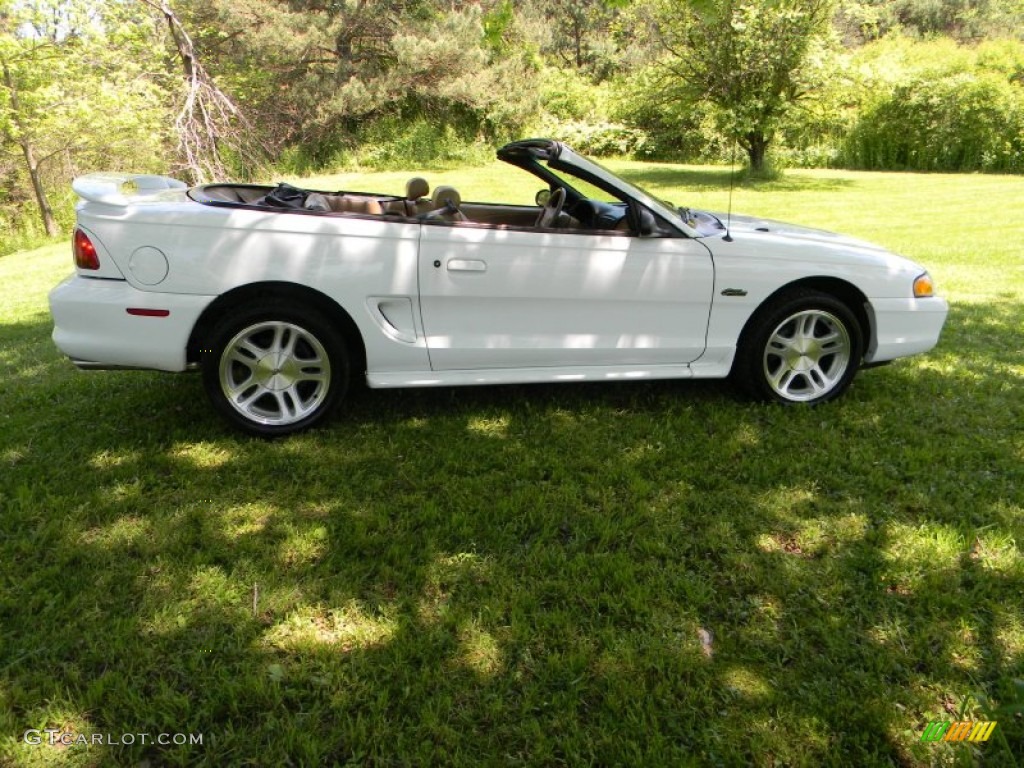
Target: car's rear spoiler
121, 188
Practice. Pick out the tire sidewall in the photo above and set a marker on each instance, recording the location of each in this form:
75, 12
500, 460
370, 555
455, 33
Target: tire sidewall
311, 322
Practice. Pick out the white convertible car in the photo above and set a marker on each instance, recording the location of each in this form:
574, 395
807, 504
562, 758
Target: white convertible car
280, 295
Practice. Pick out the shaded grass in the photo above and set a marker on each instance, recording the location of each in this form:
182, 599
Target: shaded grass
530, 575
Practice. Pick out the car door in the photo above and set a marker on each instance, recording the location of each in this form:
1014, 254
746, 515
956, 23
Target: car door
494, 297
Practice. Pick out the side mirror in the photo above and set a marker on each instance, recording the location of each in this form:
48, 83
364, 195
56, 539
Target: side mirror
542, 197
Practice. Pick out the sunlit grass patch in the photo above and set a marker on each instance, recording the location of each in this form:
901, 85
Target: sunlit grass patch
481, 650
342, 629
926, 553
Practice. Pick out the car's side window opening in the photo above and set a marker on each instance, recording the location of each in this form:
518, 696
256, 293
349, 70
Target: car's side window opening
584, 207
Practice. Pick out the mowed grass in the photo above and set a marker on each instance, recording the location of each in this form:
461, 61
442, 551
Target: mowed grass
628, 574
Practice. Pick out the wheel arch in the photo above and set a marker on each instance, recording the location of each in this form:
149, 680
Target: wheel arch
843, 290
302, 295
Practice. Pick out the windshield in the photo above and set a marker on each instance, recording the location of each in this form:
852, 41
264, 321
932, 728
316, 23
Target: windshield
635, 187
571, 160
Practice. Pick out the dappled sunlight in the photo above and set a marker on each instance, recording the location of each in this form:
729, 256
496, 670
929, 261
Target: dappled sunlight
518, 570
122, 533
71, 741
202, 455
789, 502
446, 577
302, 544
815, 536
344, 629
744, 682
997, 552
747, 436
916, 555
127, 492
496, 426
642, 451
13, 455
241, 520
111, 459
479, 650
185, 599
1008, 633
965, 648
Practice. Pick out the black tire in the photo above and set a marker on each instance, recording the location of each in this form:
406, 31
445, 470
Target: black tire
803, 346
275, 369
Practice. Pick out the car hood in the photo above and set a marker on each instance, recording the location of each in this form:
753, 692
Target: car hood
755, 226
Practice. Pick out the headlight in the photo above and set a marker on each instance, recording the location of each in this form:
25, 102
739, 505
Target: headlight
923, 286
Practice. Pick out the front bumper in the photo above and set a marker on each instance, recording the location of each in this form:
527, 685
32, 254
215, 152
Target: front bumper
92, 325
904, 327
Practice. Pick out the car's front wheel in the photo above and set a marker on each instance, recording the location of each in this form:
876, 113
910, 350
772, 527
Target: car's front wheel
275, 370
802, 347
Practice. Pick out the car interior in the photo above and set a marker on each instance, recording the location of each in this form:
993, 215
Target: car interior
560, 207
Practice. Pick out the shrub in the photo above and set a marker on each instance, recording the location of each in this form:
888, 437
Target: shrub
957, 122
599, 139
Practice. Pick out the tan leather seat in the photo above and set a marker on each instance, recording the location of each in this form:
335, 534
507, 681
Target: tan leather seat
445, 203
417, 198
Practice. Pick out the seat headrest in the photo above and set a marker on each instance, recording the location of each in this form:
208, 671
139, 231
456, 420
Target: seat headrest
444, 195
415, 188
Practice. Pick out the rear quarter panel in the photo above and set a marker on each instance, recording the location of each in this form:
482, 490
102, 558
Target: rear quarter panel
211, 250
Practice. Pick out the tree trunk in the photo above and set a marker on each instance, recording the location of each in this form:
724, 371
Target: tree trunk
37, 186
756, 145
23, 141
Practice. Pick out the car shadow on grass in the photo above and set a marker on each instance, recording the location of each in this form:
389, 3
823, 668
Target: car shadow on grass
648, 573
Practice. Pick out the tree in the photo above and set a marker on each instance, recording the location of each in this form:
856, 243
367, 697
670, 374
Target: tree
33, 48
326, 72
208, 122
70, 90
746, 57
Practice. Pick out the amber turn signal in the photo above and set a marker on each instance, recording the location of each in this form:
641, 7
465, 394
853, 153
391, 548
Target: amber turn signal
923, 286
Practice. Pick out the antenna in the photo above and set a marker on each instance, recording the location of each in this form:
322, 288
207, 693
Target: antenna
732, 183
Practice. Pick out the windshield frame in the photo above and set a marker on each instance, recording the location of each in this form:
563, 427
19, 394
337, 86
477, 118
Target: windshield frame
567, 159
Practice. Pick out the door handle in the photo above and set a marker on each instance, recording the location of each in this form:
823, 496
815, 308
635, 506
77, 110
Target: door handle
466, 265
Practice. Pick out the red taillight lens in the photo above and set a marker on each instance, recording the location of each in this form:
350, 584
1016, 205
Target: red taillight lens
85, 251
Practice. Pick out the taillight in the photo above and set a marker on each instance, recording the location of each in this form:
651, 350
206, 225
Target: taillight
85, 251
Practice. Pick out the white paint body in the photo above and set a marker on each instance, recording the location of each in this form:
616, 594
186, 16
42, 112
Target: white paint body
503, 304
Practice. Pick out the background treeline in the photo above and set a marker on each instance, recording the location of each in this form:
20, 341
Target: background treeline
250, 88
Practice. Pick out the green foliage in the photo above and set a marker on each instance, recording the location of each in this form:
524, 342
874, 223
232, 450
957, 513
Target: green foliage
420, 143
75, 93
747, 59
959, 19
957, 122
676, 126
601, 139
567, 94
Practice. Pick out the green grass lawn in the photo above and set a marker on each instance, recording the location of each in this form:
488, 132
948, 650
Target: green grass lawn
643, 574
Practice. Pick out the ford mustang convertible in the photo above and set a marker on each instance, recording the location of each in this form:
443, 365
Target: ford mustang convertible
281, 295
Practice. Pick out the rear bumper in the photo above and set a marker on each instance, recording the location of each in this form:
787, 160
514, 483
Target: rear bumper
92, 325
904, 326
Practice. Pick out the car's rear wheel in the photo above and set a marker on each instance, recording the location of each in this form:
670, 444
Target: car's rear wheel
275, 369
802, 347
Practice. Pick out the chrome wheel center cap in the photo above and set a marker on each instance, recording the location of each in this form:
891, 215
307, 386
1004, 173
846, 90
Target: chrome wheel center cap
804, 355
274, 373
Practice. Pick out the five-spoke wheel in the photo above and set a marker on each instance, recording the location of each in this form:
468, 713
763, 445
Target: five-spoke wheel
802, 347
275, 370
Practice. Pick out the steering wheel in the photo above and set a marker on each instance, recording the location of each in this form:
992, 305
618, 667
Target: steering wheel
549, 215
